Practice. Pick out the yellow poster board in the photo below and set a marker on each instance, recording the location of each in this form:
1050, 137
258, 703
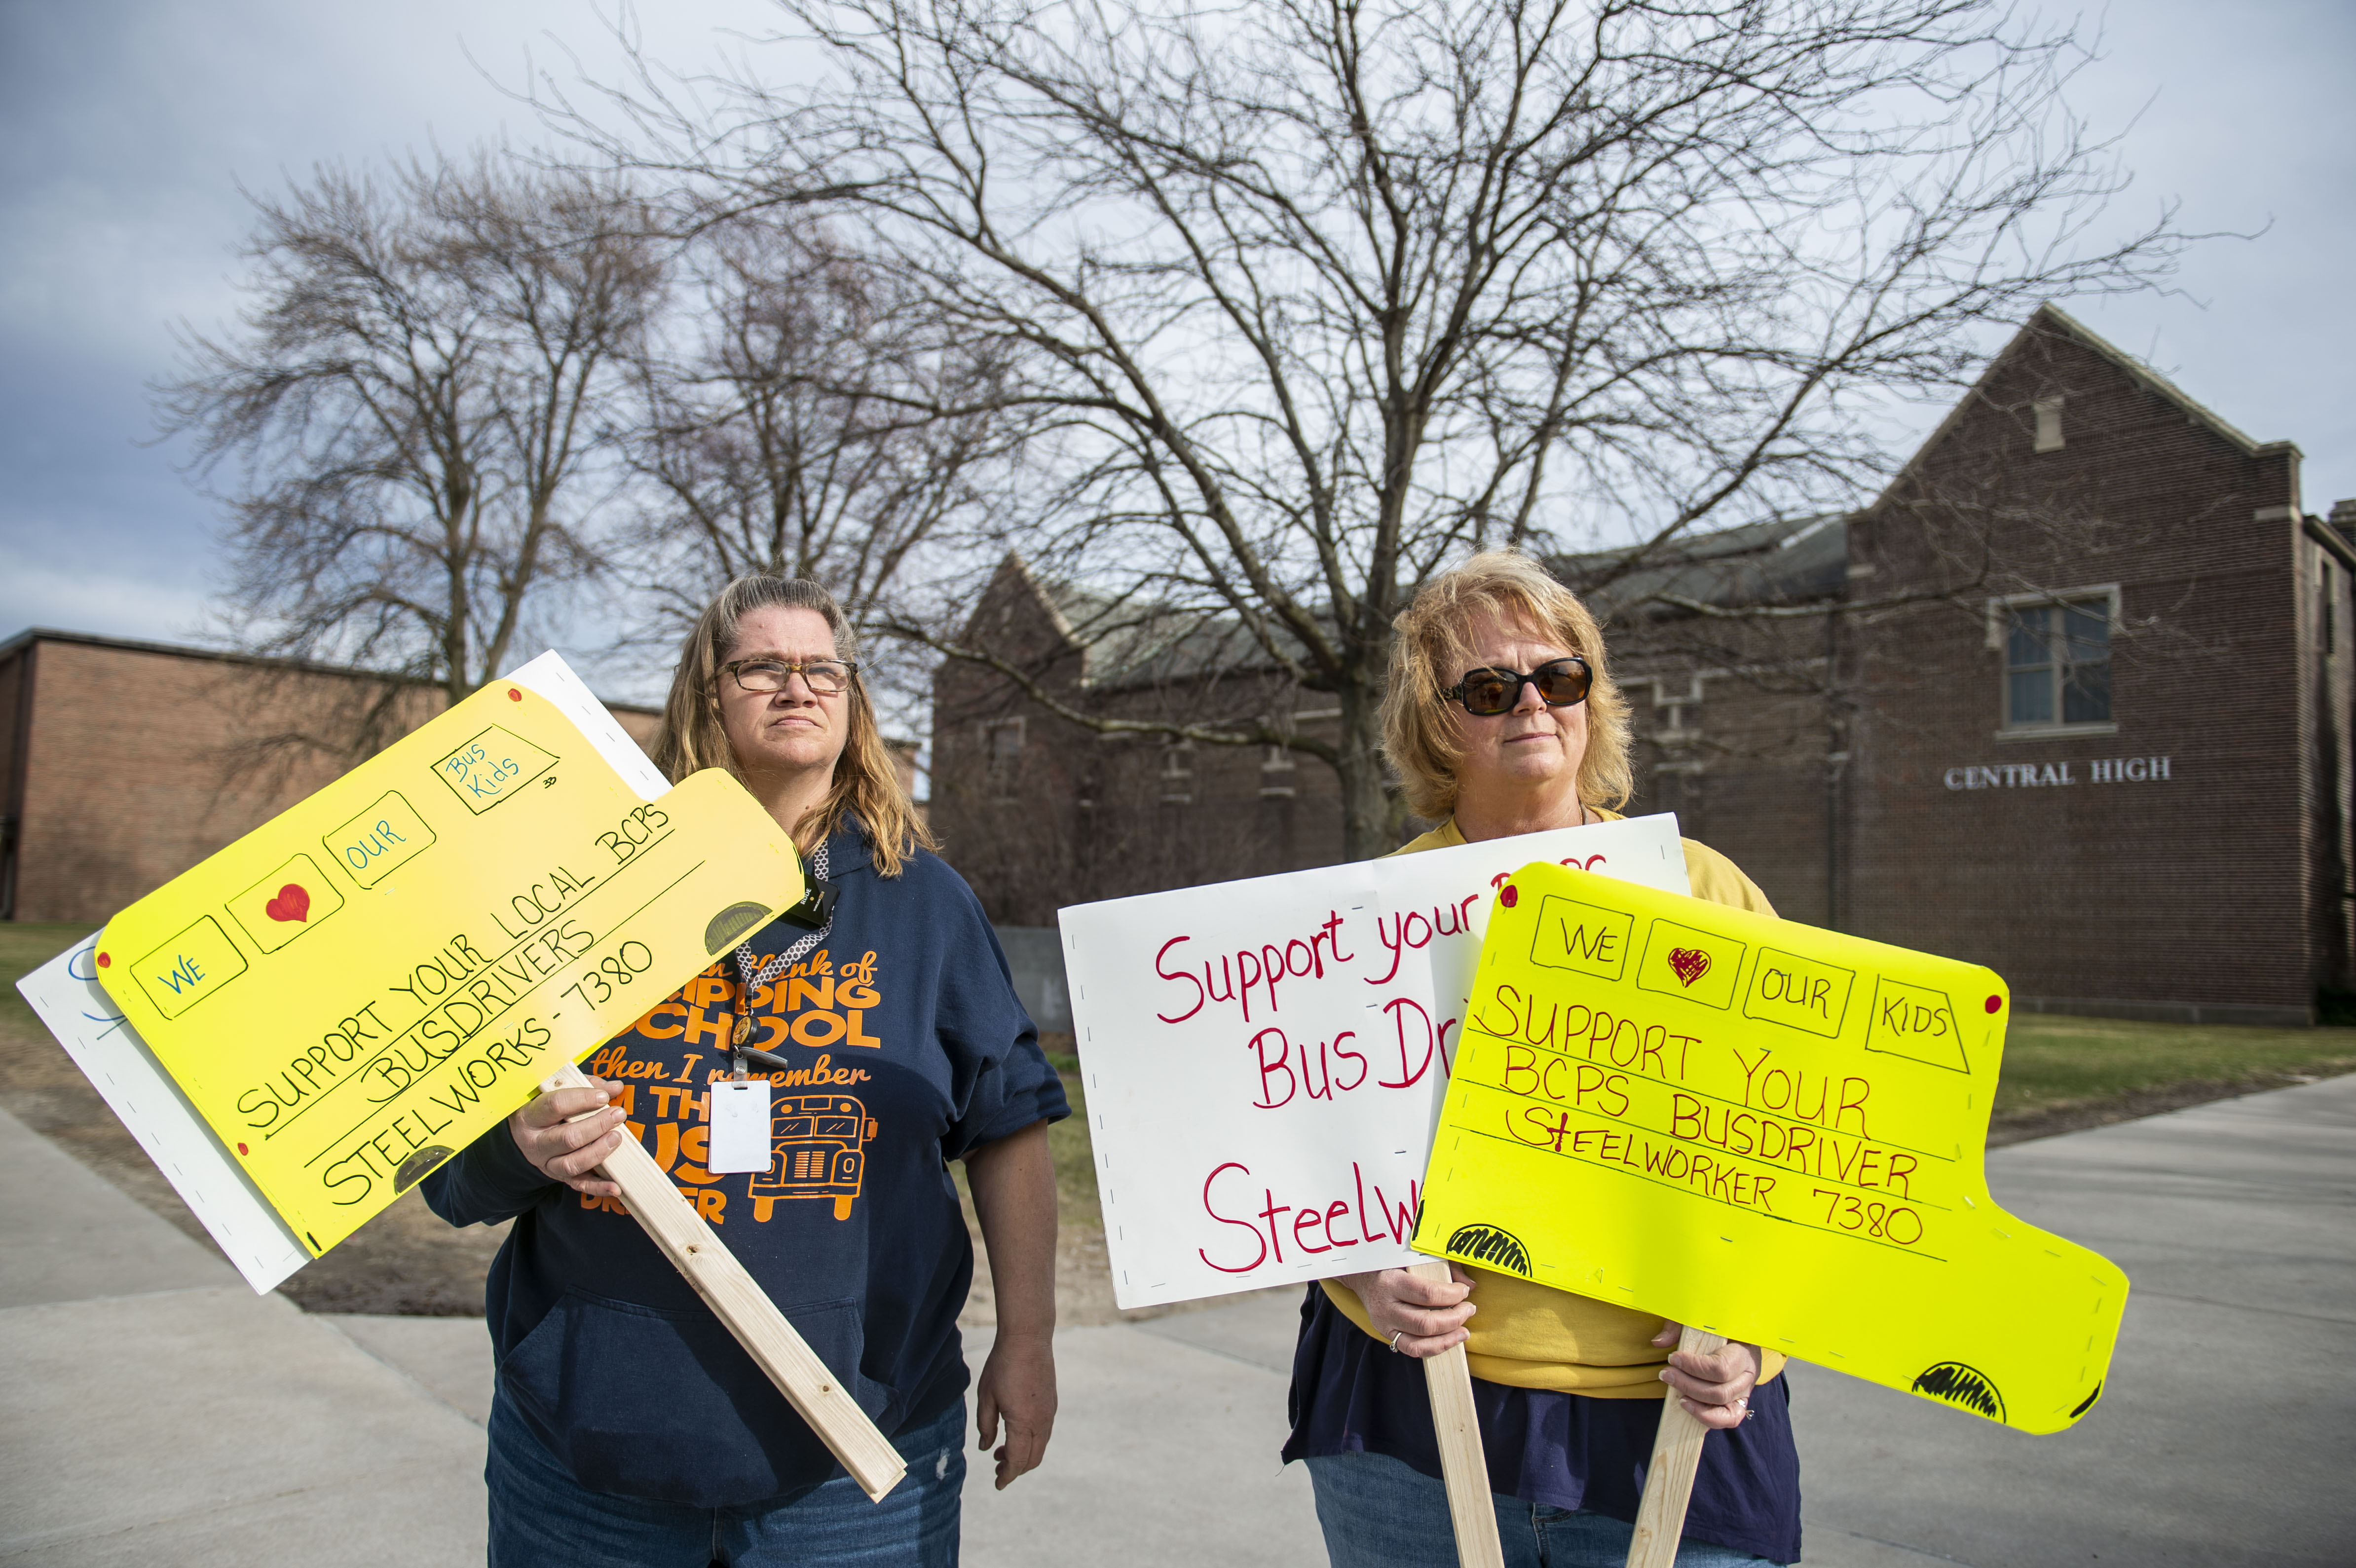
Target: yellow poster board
359, 988
1762, 1128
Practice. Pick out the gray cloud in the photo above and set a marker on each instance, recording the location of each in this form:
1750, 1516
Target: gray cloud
126, 127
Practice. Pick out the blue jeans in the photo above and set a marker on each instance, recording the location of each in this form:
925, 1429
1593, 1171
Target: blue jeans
542, 1518
1378, 1512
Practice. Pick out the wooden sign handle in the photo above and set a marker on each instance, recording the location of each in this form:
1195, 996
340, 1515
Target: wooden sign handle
1462, 1463
1669, 1478
749, 1315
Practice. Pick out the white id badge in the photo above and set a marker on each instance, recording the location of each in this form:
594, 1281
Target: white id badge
740, 1125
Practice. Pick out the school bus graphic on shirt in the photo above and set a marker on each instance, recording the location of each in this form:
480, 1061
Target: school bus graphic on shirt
818, 1145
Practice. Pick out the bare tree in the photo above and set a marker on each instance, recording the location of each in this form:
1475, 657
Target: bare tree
1326, 293
799, 432
415, 408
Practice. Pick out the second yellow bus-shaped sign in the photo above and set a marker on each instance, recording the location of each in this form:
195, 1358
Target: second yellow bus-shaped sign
1763, 1129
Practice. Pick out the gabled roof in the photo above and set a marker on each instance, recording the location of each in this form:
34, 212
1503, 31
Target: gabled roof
1775, 561
1795, 560
1126, 641
1130, 642
2050, 319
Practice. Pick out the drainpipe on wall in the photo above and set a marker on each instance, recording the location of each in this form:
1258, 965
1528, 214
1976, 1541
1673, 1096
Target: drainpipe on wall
12, 813
1835, 767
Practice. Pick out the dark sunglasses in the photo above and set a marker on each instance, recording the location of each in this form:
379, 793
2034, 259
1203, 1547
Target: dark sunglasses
1485, 694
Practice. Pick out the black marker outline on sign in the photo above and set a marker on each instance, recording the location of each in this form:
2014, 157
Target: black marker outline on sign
1491, 1247
731, 926
1963, 1387
419, 1166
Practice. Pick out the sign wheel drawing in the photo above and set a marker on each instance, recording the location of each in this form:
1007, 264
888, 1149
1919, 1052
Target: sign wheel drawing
1492, 1246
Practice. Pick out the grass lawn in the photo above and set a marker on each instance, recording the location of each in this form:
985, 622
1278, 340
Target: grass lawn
2052, 1060
28, 944
1076, 1161
24, 947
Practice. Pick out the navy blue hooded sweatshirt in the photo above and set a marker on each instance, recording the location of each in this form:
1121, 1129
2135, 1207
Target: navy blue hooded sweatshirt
907, 1049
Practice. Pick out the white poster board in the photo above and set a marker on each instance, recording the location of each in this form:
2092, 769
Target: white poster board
65, 992
67, 996
1265, 1059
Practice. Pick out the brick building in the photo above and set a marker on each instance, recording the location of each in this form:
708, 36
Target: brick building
124, 763
2119, 775
1730, 715
2071, 698
1038, 811
2080, 713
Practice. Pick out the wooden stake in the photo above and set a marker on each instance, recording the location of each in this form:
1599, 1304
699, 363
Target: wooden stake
1462, 1463
1669, 1478
749, 1313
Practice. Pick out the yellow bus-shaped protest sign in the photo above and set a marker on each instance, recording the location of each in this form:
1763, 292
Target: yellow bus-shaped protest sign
360, 987
1769, 1131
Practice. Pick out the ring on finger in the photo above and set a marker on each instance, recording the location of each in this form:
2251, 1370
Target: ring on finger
1395, 1337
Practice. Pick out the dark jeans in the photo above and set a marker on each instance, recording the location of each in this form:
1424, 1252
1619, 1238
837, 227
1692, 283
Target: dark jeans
1378, 1512
542, 1518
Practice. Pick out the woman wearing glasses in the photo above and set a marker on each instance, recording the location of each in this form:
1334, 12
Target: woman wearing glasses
628, 1427
1500, 718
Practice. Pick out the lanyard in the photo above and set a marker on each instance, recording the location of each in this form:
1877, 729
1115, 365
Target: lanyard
822, 894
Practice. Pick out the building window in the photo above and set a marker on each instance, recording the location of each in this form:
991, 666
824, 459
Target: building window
2058, 664
2049, 424
1001, 753
1176, 779
1276, 772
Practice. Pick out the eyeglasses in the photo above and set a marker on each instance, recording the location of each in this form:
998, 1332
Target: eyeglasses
824, 677
1485, 694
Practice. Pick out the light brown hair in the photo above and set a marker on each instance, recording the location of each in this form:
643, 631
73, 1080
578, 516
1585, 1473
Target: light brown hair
1430, 650
693, 738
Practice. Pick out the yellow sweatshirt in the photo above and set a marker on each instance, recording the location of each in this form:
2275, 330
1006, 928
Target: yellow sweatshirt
1531, 1335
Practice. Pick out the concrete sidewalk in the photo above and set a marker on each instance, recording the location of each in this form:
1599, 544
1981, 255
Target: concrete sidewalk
2227, 1431
154, 1409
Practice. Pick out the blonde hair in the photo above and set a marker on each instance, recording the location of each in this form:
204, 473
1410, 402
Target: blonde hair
1430, 650
692, 737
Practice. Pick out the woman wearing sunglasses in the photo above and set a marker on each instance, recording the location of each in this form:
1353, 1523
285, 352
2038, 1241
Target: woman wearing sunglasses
1502, 718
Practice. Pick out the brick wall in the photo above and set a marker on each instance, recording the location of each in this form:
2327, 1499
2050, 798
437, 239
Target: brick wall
1037, 812
136, 762
2193, 889
1821, 757
1732, 739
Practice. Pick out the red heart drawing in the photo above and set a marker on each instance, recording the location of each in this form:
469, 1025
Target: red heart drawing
291, 904
1691, 963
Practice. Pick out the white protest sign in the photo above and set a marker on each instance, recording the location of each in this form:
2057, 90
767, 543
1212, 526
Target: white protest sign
66, 994
1264, 1060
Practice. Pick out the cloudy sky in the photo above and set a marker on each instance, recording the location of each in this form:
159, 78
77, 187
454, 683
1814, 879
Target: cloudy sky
128, 126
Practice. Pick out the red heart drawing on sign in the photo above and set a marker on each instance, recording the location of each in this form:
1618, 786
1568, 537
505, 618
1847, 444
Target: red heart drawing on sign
291, 904
1690, 964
